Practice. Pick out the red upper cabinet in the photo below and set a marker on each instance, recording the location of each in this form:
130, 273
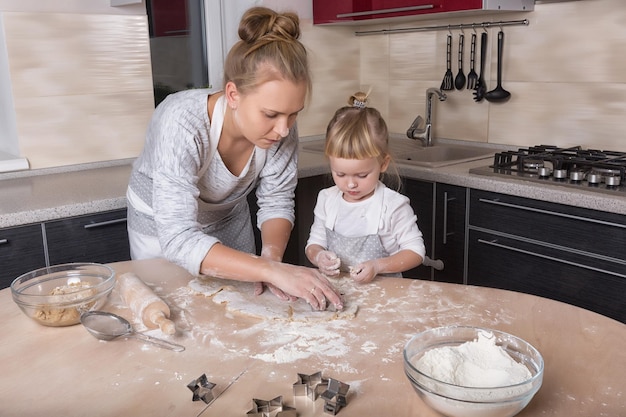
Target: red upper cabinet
362, 11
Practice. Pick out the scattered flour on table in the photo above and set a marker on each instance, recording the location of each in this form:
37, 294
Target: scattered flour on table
477, 363
285, 331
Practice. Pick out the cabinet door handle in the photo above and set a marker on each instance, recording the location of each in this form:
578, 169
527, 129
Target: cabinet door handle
552, 213
445, 216
106, 223
494, 242
385, 11
4, 241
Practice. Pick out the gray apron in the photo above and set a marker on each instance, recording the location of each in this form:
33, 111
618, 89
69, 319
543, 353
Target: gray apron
355, 250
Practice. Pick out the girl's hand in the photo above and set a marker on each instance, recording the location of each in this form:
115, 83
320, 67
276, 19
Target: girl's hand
328, 262
365, 272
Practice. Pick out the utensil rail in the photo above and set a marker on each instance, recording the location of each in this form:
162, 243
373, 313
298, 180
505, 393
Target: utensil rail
461, 26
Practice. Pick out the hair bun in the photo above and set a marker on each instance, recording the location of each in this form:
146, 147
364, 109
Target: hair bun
264, 23
358, 100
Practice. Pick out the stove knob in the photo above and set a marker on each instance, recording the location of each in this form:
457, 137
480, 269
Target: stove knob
577, 175
544, 172
594, 178
612, 181
560, 174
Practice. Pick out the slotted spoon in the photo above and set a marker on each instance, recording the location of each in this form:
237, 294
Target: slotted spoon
481, 86
448, 78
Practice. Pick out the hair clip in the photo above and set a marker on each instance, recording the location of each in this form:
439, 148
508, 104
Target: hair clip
358, 104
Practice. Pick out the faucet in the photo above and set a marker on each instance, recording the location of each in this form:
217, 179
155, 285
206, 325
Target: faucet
425, 134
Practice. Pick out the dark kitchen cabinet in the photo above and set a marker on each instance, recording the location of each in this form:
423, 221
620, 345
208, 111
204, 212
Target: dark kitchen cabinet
306, 197
22, 249
101, 238
421, 194
565, 253
362, 11
449, 233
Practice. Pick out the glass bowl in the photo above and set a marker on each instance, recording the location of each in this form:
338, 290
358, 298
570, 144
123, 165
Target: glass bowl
57, 295
464, 401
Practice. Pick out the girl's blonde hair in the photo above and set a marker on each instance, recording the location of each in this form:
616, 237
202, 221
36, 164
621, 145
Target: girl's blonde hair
268, 50
357, 131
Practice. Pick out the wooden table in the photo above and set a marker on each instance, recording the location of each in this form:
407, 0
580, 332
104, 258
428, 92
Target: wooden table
67, 372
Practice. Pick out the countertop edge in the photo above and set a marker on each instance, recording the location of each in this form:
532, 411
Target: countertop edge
92, 196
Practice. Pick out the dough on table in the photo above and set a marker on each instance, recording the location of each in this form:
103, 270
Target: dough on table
238, 298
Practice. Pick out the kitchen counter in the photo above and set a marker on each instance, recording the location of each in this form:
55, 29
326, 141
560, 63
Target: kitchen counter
66, 371
37, 196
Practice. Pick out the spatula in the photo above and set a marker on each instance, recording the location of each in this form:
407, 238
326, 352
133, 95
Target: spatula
448, 78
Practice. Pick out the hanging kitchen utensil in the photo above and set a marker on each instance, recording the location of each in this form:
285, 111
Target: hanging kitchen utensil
459, 81
498, 94
481, 87
472, 76
448, 78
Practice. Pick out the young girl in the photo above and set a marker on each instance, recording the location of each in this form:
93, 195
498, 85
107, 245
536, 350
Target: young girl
206, 150
360, 225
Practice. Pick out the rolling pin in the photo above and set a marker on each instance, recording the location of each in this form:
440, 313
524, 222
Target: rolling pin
144, 303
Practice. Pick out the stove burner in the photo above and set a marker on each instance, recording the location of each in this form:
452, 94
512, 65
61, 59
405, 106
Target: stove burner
600, 170
533, 164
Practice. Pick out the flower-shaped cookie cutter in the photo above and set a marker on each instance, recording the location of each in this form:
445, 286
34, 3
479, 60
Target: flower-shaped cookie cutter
202, 389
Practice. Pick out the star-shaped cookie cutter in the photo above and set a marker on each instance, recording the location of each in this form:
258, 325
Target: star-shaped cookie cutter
271, 408
335, 396
310, 385
202, 389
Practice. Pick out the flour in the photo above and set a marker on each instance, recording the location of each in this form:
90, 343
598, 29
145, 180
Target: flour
478, 363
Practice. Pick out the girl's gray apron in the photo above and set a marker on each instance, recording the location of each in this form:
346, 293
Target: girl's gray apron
355, 250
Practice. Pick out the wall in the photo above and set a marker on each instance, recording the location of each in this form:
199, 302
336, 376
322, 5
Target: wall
80, 79
566, 72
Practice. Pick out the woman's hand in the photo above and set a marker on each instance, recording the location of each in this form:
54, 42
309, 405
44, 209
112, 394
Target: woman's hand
328, 262
306, 283
259, 287
365, 272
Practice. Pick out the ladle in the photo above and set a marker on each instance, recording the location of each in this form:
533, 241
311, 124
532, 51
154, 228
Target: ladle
498, 94
109, 326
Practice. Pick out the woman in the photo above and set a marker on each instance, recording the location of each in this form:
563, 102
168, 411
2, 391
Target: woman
206, 150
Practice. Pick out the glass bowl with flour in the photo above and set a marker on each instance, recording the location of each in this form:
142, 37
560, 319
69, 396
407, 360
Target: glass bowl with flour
464, 371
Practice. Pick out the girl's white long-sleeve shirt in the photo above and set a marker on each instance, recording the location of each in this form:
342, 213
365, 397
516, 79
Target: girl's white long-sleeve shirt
396, 226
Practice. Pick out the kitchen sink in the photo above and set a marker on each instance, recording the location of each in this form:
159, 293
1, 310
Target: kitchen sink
410, 152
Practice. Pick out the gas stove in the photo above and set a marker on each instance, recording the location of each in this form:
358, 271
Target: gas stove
595, 170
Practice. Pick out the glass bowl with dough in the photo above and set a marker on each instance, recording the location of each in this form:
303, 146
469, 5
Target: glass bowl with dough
57, 295
465, 371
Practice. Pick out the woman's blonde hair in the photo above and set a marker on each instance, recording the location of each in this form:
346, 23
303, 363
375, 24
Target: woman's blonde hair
268, 50
357, 131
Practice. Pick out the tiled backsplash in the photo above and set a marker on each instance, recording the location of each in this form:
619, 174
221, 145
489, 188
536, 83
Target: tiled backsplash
82, 83
566, 72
